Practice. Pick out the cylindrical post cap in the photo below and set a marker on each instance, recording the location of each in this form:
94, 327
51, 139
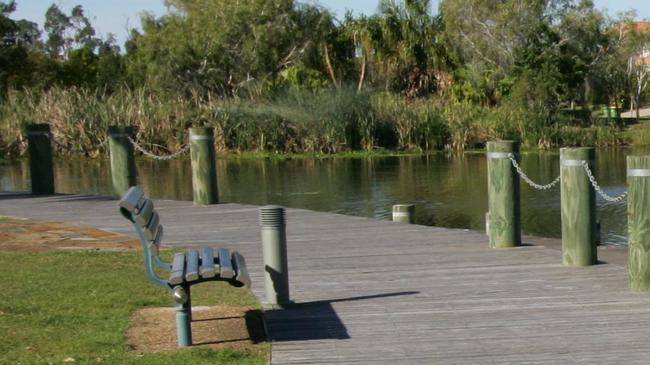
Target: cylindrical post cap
202, 131
503, 146
272, 216
403, 208
38, 127
577, 153
118, 129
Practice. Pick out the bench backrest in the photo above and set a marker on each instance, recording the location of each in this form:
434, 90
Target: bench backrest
140, 211
135, 207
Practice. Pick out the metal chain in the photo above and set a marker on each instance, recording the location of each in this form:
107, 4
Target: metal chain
156, 157
527, 179
597, 187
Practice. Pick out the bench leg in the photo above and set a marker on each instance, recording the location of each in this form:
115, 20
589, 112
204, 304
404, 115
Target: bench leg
183, 319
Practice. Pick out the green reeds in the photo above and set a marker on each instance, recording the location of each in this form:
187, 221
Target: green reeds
322, 122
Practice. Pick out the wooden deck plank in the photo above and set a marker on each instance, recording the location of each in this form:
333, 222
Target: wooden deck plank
375, 292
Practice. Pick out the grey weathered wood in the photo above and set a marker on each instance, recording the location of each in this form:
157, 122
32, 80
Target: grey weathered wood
178, 269
239, 265
144, 212
192, 270
132, 200
159, 236
207, 263
440, 296
225, 265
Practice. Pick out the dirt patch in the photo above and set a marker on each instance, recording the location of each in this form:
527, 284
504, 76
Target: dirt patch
27, 235
222, 326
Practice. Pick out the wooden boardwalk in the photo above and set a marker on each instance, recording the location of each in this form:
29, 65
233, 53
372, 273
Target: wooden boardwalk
375, 292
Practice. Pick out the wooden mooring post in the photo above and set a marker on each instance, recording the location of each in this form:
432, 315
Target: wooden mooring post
504, 215
404, 213
578, 206
40, 158
638, 222
123, 172
204, 166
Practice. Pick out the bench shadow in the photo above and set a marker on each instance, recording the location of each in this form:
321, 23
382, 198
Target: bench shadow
254, 327
313, 320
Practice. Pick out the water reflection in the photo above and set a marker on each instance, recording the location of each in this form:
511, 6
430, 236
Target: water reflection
448, 189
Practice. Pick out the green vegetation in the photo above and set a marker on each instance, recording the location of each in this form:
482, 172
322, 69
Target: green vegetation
639, 134
286, 77
78, 304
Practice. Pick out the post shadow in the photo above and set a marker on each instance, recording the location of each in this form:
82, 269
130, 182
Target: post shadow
313, 320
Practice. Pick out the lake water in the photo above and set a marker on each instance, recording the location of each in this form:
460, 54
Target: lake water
449, 190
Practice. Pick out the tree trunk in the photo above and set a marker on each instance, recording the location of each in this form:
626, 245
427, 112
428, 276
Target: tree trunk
363, 74
330, 69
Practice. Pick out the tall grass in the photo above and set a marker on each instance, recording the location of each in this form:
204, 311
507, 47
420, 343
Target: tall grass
330, 121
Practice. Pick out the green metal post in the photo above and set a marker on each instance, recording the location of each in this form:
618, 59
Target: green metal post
404, 213
40, 158
204, 166
123, 171
638, 221
504, 229
274, 247
579, 228
183, 321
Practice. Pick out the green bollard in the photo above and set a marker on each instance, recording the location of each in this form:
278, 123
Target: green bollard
638, 222
40, 158
204, 166
504, 216
274, 247
579, 228
123, 171
404, 213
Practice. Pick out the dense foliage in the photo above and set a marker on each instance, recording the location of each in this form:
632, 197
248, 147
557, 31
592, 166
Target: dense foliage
281, 75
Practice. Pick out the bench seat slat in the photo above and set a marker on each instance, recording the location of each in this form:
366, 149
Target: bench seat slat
241, 269
207, 263
132, 199
178, 269
151, 230
226, 269
144, 214
192, 270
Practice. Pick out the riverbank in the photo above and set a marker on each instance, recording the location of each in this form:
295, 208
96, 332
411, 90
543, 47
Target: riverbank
326, 122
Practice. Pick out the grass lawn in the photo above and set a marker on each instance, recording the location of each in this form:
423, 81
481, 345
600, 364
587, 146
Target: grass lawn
74, 307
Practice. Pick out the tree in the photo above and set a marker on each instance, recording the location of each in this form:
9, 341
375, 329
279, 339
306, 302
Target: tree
400, 46
56, 24
225, 46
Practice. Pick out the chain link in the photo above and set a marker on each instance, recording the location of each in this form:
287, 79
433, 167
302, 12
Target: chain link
527, 179
597, 187
156, 157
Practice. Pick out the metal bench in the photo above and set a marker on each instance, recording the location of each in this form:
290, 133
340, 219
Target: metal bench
187, 268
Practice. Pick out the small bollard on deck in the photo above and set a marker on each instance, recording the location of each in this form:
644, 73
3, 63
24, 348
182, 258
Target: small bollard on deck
123, 172
40, 158
638, 217
204, 166
274, 247
578, 207
504, 215
404, 213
